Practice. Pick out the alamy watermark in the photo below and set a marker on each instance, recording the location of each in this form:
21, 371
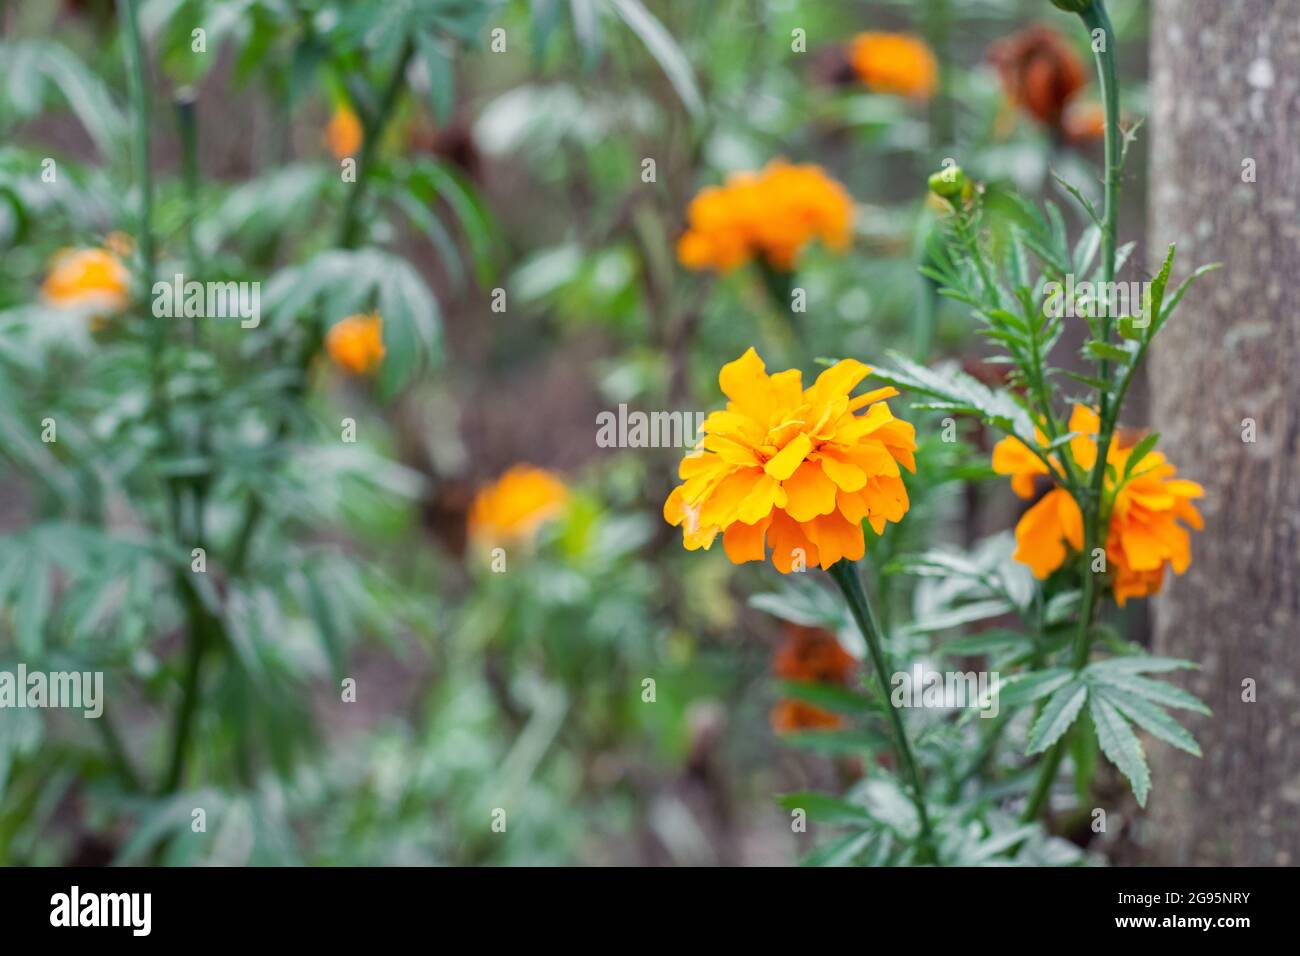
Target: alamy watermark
208, 300
921, 688
637, 429
1096, 300
72, 690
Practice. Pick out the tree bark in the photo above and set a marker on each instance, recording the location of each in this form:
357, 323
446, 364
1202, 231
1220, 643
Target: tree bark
1225, 90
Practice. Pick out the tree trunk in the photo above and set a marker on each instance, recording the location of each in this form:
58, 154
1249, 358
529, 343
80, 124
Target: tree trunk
1226, 104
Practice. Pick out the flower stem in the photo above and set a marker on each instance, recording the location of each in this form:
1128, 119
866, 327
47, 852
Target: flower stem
845, 573
1094, 18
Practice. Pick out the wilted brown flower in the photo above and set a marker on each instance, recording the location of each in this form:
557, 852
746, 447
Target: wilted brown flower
1040, 72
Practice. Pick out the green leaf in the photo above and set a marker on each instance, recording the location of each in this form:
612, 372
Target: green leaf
1121, 746
958, 392
1019, 689
1060, 712
1141, 664
664, 49
1165, 694
841, 700
1140, 451
1105, 351
824, 808
437, 59
1152, 719
1153, 308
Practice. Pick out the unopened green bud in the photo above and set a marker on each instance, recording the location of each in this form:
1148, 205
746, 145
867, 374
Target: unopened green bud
949, 182
1073, 6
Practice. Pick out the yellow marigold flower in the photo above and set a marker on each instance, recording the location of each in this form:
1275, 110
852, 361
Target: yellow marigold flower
895, 63
793, 468
92, 279
773, 213
1144, 536
357, 343
343, 134
516, 505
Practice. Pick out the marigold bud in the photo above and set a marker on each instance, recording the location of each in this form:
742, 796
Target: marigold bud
949, 182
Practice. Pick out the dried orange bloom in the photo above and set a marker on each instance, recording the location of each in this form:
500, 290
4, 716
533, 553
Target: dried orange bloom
357, 343
812, 654
91, 279
343, 134
895, 63
1144, 537
1040, 72
773, 213
516, 505
793, 468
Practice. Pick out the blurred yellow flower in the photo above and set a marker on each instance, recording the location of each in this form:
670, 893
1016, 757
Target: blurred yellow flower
357, 343
92, 279
343, 134
516, 505
1144, 536
773, 213
793, 469
896, 63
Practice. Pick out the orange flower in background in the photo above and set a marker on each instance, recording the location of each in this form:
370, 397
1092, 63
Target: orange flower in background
1040, 72
92, 279
813, 655
896, 63
790, 716
343, 133
357, 343
773, 213
793, 469
516, 505
1144, 536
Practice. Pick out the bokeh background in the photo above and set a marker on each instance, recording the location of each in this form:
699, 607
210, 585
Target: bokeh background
538, 285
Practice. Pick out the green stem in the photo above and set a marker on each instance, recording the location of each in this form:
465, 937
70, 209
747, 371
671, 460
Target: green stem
845, 574
1094, 18
191, 687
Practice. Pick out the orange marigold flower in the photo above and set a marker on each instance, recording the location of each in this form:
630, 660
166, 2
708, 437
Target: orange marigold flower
793, 468
773, 213
791, 716
516, 505
895, 63
91, 279
1040, 72
357, 343
343, 133
1144, 536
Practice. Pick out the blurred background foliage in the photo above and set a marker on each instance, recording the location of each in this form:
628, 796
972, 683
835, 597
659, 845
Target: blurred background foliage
526, 273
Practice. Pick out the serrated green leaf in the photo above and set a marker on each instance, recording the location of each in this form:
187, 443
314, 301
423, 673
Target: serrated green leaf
1121, 746
1058, 714
1019, 689
1165, 694
1151, 719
